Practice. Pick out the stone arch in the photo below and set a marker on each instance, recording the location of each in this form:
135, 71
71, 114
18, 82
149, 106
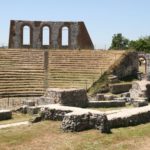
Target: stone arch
30, 36
47, 43
143, 63
64, 36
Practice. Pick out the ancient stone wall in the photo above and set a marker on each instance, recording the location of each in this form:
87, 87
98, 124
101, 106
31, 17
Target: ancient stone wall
127, 65
78, 37
147, 59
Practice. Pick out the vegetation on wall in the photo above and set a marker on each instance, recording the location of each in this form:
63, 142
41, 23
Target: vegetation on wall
102, 84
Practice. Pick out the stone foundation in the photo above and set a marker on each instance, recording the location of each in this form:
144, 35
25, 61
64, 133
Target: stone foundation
140, 89
68, 97
119, 88
73, 118
129, 117
107, 104
5, 114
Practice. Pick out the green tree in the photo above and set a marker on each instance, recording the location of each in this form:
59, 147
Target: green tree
119, 42
142, 44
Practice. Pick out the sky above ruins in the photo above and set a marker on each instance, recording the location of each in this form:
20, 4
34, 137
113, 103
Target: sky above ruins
103, 18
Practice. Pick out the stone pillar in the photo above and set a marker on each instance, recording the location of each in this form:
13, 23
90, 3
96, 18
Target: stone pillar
148, 67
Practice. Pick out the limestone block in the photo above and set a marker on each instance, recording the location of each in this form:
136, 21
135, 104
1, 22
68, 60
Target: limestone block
140, 103
129, 117
68, 97
120, 88
140, 89
5, 114
107, 104
100, 97
29, 103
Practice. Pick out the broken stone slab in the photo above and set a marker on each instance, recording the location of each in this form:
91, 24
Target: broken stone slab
140, 89
107, 104
29, 103
68, 97
140, 103
5, 114
129, 117
45, 100
33, 110
113, 79
100, 97
126, 94
79, 121
119, 88
36, 118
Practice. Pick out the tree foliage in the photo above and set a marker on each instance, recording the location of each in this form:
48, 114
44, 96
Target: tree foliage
119, 42
142, 44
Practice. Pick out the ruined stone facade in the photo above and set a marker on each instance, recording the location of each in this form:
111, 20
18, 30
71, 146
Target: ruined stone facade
78, 37
146, 57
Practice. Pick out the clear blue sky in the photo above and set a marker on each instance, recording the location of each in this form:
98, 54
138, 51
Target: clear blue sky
103, 18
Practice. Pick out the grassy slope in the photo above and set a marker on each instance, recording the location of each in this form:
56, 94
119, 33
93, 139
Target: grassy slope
48, 136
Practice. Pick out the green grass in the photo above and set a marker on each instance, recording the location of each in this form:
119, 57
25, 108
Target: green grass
48, 136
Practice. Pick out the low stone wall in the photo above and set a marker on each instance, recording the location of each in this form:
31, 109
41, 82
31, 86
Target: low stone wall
127, 65
68, 97
83, 121
107, 104
73, 118
5, 114
130, 117
119, 88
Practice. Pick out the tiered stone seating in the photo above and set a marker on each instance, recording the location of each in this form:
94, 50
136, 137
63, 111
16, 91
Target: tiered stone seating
22, 70
78, 69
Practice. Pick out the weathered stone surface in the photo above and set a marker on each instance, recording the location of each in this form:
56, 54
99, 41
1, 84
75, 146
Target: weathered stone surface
126, 94
74, 118
5, 114
129, 117
120, 88
113, 79
140, 103
100, 97
78, 35
107, 104
29, 103
45, 100
140, 89
68, 97
35, 119
126, 66
109, 97
33, 110
76, 122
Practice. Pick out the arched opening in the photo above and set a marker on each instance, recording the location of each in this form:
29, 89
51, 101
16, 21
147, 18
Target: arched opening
142, 65
65, 36
26, 35
46, 36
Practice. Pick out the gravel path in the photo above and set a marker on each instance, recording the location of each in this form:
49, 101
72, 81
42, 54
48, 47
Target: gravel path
14, 124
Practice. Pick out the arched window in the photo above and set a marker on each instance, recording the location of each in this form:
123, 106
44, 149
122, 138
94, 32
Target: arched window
142, 64
65, 36
26, 35
46, 36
